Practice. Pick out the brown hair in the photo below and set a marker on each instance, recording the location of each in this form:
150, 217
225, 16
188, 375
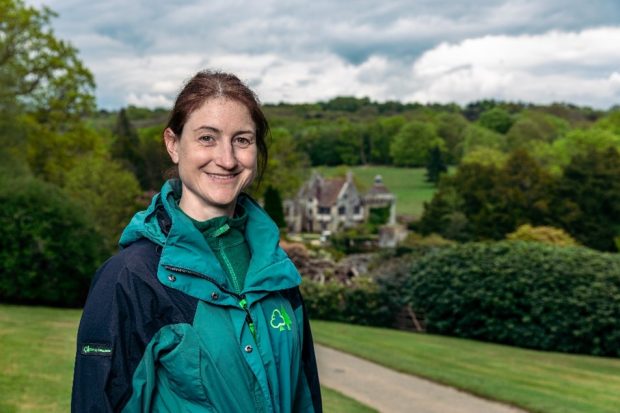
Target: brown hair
209, 84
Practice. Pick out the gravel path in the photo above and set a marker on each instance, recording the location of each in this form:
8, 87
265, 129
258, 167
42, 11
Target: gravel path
389, 391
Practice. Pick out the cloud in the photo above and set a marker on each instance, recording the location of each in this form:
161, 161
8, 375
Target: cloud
554, 66
142, 51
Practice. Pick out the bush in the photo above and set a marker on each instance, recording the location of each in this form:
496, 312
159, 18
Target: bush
365, 302
525, 294
544, 234
48, 250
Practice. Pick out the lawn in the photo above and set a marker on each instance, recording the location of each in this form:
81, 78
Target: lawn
408, 184
534, 380
37, 346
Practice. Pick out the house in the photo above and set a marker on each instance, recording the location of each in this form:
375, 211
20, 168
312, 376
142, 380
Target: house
331, 204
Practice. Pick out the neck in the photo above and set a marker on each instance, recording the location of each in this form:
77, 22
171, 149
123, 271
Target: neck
201, 212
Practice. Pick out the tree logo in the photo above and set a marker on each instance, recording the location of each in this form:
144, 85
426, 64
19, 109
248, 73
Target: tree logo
280, 319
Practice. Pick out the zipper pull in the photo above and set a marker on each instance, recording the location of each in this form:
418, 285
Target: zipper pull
248, 318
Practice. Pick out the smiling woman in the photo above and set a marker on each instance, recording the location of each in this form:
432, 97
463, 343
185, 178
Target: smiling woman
181, 319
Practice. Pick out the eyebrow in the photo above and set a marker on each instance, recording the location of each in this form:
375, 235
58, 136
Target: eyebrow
216, 130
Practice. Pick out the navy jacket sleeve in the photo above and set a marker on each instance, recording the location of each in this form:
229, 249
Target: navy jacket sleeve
100, 380
125, 308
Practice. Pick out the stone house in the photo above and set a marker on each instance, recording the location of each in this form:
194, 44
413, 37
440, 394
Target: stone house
331, 204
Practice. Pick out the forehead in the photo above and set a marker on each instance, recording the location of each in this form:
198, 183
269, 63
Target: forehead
221, 112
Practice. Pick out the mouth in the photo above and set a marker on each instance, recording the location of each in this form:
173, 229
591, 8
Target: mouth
223, 177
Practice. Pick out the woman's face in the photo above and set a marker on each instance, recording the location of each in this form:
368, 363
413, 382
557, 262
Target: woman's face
216, 155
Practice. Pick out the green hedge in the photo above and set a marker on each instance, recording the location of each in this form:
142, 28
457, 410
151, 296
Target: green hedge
525, 294
364, 302
48, 249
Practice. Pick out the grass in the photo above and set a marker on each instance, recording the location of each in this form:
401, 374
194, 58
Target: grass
408, 184
535, 380
37, 350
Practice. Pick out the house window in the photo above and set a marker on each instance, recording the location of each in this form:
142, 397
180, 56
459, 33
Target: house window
341, 210
324, 210
356, 210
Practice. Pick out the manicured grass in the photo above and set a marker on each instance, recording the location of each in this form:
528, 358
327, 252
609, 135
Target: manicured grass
334, 401
534, 380
37, 347
408, 184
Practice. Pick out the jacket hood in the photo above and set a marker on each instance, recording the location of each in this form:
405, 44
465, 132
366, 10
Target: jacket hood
184, 247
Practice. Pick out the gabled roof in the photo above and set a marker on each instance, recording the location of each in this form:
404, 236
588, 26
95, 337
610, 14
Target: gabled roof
329, 191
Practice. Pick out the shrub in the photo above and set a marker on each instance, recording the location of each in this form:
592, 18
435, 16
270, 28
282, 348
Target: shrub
525, 294
544, 234
48, 250
364, 302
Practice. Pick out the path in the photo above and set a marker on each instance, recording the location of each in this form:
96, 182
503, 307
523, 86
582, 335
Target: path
389, 391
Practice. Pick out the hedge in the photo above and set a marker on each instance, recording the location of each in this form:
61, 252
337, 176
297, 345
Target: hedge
522, 293
48, 249
364, 302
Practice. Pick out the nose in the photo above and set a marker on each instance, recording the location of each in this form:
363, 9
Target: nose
226, 156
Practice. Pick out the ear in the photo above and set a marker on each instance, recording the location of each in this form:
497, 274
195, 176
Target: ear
172, 143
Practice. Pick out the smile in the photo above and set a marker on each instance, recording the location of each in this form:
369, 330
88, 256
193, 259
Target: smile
222, 177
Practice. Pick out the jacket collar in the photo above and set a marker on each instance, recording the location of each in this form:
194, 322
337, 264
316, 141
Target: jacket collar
184, 246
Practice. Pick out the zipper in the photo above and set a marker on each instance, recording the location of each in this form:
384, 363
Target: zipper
248, 318
242, 301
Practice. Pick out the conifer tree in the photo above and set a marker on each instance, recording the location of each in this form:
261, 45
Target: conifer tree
435, 166
273, 206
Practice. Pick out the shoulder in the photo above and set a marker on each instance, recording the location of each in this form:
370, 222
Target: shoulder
135, 264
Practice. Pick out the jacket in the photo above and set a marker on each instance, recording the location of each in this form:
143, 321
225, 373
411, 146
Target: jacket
162, 331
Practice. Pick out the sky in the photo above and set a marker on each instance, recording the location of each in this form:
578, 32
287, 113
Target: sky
539, 51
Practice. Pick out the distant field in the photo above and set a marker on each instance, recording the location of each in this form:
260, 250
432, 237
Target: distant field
408, 184
538, 381
37, 346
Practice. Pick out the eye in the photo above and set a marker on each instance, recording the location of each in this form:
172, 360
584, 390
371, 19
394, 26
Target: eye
206, 140
242, 141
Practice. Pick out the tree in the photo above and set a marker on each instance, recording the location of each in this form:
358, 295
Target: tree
413, 142
451, 128
126, 147
273, 206
533, 126
496, 119
106, 192
588, 205
48, 247
41, 71
479, 137
435, 165
381, 133
286, 167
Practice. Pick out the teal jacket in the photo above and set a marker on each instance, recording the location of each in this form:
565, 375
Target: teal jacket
163, 331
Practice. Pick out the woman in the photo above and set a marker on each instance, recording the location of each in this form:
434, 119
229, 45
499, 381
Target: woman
200, 311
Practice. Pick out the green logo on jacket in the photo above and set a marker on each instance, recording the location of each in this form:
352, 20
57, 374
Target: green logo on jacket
280, 319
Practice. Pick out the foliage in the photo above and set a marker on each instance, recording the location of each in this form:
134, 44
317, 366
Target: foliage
496, 119
126, 148
107, 193
487, 202
41, 71
588, 198
413, 142
485, 156
544, 234
273, 206
451, 128
476, 137
533, 126
286, 168
49, 250
364, 302
435, 165
524, 294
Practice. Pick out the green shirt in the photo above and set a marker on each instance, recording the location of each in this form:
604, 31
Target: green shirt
225, 236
